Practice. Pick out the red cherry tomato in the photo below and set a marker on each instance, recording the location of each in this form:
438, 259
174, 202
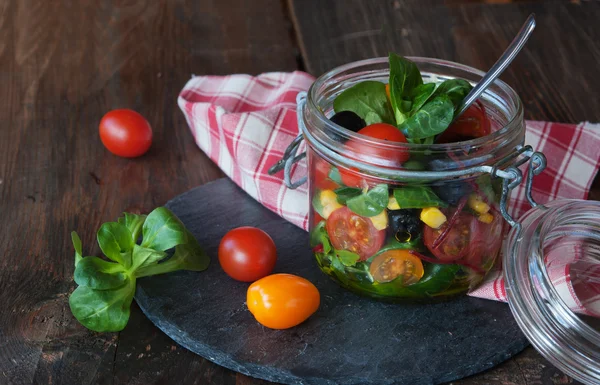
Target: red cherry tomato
247, 254
349, 231
473, 123
465, 238
351, 177
125, 133
320, 172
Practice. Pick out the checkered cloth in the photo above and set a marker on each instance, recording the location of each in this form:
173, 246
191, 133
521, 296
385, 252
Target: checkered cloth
244, 124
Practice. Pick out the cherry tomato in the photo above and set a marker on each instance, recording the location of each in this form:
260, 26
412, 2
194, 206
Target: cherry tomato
349, 231
464, 238
282, 301
473, 123
392, 264
321, 170
125, 133
247, 254
351, 177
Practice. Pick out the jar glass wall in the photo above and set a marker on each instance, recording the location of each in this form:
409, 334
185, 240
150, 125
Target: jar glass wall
406, 221
551, 265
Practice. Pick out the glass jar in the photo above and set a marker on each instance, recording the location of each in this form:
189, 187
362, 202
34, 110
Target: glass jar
552, 264
374, 212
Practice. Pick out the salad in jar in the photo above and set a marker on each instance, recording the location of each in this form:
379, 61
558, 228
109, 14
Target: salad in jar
404, 239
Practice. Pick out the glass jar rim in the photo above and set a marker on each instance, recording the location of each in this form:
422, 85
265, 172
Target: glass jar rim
506, 132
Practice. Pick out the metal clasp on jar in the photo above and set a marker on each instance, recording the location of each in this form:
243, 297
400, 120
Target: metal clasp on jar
511, 175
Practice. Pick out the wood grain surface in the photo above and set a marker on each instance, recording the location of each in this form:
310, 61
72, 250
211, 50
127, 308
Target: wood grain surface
64, 63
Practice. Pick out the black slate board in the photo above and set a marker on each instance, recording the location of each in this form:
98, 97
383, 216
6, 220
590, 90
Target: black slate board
350, 340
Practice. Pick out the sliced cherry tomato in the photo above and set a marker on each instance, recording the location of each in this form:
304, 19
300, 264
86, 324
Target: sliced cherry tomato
125, 133
464, 238
473, 123
282, 301
352, 177
392, 264
247, 254
349, 231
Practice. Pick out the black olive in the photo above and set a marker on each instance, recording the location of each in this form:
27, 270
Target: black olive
349, 120
452, 192
405, 224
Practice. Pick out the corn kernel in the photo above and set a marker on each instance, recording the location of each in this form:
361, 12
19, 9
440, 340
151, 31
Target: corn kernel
393, 204
328, 197
329, 202
486, 218
380, 221
477, 204
433, 217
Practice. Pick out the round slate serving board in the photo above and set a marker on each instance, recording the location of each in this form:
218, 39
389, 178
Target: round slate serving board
349, 340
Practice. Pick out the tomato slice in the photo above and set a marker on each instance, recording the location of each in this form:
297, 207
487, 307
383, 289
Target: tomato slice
392, 264
383, 131
473, 123
465, 237
349, 231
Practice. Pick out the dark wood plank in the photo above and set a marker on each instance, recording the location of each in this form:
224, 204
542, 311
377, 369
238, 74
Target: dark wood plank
553, 75
63, 64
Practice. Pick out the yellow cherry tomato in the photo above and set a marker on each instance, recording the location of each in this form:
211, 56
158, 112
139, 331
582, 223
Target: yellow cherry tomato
282, 301
392, 264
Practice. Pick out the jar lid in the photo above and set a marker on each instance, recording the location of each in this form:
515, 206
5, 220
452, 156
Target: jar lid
552, 278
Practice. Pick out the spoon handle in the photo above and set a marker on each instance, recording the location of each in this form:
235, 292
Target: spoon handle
507, 57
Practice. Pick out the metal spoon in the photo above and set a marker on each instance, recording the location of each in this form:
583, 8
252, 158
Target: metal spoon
507, 57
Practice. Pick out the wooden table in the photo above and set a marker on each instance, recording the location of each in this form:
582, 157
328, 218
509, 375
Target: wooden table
63, 64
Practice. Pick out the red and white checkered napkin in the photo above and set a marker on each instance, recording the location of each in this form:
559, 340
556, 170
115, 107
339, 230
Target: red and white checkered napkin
244, 124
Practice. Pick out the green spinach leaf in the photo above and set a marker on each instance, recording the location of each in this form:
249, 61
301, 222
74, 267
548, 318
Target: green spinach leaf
368, 100
187, 256
455, 89
420, 95
347, 258
485, 187
404, 77
103, 310
370, 203
162, 230
417, 197
134, 223
345, 193
101, 301
116, 242
77, 245
316, 203
143, 256
319, 236
99, 274
335, 176
432, 119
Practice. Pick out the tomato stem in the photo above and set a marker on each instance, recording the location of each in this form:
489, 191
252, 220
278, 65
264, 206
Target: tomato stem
453, 219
